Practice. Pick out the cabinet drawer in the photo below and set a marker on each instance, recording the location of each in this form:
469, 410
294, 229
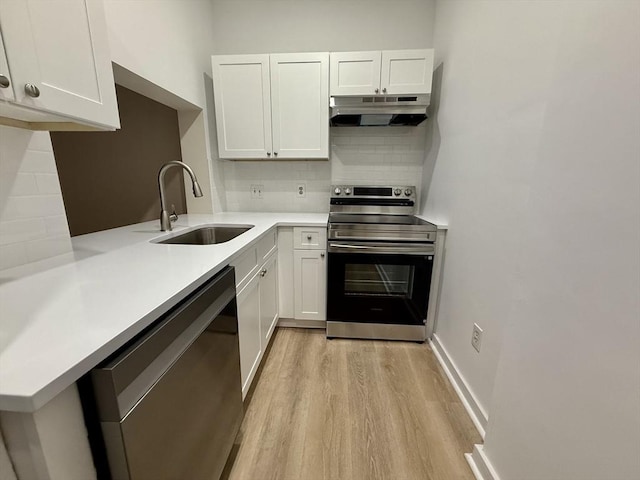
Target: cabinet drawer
309, 238
267, 244
245, 265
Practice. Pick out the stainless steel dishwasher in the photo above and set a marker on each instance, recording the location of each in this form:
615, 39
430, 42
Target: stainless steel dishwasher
170, 404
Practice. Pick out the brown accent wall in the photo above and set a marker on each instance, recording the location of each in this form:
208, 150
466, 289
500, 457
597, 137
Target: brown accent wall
110, 179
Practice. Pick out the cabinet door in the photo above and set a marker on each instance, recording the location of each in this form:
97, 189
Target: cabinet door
6, 86
310, 275
268, 299
355, 73
243, 105
249, 332
300, 105
406, 71
62, 49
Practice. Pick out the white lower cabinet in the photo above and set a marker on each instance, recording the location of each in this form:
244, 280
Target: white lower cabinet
268, 299
249, 331
257, 299
310, 284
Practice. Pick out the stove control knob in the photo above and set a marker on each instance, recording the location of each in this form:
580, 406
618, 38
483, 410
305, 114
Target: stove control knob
408, 192
397, 192
337, 190
347, 191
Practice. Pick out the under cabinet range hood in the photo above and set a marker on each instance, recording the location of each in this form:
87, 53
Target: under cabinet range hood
375, 111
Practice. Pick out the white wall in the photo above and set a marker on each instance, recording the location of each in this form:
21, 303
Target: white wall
169, 44
163, 41
538, 148
280, 26
365, 155
33, 224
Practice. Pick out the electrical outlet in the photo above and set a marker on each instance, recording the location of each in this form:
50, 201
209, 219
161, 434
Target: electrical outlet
476, 337
260, 190
255, 191
302, 190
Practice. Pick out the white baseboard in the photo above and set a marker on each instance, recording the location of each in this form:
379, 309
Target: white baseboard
477, 414
294, 323
480, 464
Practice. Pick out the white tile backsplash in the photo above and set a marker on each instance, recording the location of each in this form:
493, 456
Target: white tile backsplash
366, 155
48, 183
33, 224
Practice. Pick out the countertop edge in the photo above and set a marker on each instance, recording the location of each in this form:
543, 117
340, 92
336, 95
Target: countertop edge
31, 403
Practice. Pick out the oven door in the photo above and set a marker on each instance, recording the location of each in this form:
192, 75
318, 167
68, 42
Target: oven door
383, 283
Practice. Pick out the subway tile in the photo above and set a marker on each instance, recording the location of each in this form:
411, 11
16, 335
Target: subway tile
57, 225
18, 184
377, 140
48, 183
22, 230
47, 247
32, 206
14, 143
38, 162
13, 255
40, 141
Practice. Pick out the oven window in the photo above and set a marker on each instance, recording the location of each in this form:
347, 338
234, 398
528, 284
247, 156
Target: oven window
366, 279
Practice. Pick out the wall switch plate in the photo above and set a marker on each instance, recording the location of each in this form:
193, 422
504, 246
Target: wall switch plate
301, 191
256, 191
476, 337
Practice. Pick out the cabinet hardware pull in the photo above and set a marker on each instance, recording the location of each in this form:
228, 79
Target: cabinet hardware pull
275, 154
4, 81
268, 154
377, 90
263, 272
321, 254
384, 90
308, 237
31, 90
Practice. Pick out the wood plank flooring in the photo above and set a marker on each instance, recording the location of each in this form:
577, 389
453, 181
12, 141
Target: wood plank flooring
351, 410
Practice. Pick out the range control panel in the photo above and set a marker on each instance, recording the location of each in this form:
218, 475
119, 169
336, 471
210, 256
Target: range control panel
372, 191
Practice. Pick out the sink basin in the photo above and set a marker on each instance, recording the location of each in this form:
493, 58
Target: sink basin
208, 235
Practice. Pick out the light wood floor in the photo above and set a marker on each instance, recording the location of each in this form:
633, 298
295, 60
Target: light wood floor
351, 410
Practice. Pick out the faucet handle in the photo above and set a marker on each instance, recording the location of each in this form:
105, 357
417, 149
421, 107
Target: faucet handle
174, 216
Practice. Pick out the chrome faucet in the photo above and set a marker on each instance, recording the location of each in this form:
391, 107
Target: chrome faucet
165, 219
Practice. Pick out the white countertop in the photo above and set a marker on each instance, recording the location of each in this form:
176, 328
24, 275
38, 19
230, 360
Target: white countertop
58, 324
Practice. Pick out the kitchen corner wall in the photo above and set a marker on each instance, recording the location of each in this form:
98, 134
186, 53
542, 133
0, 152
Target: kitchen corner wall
371, 155
537, 145
33, 224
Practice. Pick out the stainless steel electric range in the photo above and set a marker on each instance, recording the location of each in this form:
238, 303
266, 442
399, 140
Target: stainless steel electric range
380, 263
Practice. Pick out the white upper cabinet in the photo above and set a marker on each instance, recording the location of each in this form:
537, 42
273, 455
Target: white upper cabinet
243, 105
272, 106
355, 73
389, 72
59, 60
300, 105
406, 72
6, 86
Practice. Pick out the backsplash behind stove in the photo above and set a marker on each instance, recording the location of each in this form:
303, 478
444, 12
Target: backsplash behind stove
366, 155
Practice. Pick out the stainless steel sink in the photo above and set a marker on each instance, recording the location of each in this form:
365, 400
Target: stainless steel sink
208, 235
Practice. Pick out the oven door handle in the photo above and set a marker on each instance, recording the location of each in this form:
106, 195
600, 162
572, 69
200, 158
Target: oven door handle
382, 248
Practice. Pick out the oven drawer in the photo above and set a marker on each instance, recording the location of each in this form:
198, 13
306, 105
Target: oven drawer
309, 238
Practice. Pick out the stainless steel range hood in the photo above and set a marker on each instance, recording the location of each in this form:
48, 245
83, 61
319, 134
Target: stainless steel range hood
380, 110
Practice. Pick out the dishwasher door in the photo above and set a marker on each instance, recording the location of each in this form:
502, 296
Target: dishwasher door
170, 405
